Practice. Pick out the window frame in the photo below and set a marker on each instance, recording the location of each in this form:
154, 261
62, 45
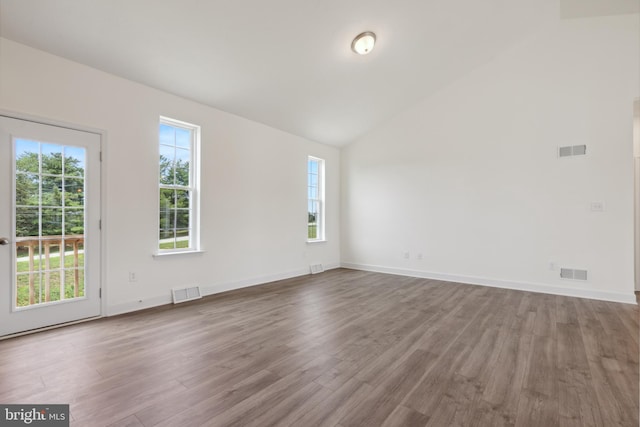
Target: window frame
193, 188
320, 219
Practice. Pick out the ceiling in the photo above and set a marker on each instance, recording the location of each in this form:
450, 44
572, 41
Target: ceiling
285, 63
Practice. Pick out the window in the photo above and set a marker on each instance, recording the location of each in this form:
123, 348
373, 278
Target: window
315, 194
178, 178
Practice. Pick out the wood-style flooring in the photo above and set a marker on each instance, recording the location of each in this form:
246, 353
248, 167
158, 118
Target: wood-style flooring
342, 348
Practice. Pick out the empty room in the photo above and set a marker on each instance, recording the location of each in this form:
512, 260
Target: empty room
319, 213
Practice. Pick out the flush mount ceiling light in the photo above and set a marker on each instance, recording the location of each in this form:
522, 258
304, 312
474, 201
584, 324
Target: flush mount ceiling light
363, 43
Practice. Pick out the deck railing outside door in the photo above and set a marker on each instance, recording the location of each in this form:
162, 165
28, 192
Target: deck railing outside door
39, 254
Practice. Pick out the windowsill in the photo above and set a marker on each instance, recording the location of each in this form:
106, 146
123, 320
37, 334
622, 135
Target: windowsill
317, 241
164, 254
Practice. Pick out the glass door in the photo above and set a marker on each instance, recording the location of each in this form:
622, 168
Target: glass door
50, 230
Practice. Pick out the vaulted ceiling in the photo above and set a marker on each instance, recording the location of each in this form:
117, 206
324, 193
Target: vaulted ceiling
288, 63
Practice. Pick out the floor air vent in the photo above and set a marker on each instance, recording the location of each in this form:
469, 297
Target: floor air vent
316, 268
570, 273
186, 294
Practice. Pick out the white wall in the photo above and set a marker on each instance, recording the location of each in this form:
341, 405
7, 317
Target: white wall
469, 178
253, 211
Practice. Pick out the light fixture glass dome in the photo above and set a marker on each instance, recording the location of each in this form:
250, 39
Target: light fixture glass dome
363, 43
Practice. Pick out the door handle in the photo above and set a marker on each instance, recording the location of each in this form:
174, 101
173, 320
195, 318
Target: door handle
4, 241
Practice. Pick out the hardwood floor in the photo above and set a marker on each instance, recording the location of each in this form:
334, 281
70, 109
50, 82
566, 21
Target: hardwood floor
342, 348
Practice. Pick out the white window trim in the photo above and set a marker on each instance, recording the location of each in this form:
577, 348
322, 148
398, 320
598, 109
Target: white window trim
194, 178
321, 223
178, 252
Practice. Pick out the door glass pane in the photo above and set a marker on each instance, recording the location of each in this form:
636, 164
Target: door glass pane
50, 214
52, 292
27, 189
27, 155
80, 254
51, 222
28, 272
73, 283
51, 159
73, 221
74, 161
73, 192
27, 221
51, 191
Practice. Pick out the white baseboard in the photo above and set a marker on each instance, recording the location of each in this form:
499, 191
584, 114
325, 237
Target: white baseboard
245, 283
498, 283
130, 306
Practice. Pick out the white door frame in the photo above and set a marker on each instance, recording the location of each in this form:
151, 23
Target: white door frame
103, 180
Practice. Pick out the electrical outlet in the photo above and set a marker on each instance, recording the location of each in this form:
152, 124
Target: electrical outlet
133, 277
552, 266
419, 256
406, 255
